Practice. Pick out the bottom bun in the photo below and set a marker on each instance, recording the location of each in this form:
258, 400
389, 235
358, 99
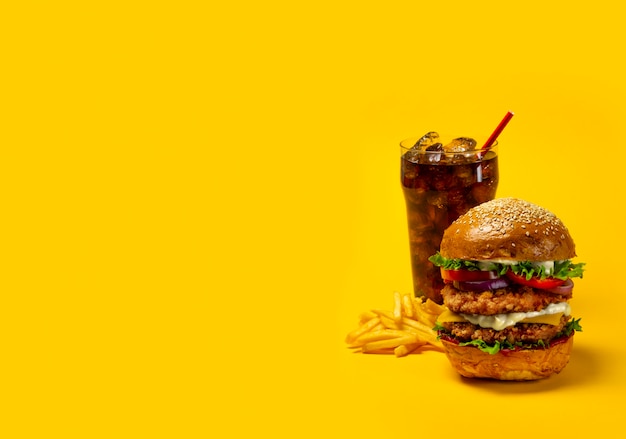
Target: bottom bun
522, 365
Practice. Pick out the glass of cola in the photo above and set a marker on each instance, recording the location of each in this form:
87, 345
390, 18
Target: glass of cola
441, 181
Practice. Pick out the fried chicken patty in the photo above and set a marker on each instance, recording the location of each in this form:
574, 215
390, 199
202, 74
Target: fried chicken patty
514, 298
521, 332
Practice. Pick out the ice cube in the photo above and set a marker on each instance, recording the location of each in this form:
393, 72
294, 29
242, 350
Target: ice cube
464, 175
437, 199
434, 153
435, 147
460, 144
426, 140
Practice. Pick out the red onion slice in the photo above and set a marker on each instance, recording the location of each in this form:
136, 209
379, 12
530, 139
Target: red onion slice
482, 285
565, 289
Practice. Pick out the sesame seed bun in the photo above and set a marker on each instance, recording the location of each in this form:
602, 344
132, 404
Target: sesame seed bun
521, 365
508, 228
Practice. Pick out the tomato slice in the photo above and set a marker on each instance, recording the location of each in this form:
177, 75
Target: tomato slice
467, 275
535, 282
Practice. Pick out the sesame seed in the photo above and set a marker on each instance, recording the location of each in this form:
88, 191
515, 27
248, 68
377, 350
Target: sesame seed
506, 214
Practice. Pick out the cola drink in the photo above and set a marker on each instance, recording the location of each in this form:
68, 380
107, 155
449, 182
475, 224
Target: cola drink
441, 182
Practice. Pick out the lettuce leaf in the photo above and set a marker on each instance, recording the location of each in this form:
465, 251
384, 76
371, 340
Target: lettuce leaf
571, 326
562, 269
453, 264
565, 269
483, 346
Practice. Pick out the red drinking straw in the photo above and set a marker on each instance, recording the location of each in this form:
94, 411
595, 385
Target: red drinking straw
490, 141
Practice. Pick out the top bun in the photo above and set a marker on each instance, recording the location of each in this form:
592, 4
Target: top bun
508, 228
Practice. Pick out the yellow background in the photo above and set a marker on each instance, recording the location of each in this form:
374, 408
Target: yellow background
199, 198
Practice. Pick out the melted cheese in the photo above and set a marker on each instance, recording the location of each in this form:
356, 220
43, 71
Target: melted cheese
550, 315
448, 316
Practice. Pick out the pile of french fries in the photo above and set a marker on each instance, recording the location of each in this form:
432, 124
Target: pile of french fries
405, 329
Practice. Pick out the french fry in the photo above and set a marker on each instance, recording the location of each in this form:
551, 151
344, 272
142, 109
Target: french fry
417, 307
401, 350
387, 319
366, 316
383, 313
362, 329
406, 349
432, 308
391, 343
426, 338
389, 323
421, 329
405, 329
383, 334
397, 307
408, 305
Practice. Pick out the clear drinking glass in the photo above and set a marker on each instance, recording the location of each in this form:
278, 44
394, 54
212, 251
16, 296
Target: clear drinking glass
440, 183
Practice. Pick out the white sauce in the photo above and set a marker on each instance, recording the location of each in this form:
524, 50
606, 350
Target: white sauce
547, 265
501, 261
501, 321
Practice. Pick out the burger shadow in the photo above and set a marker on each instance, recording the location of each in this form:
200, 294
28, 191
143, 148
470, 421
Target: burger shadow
582, 369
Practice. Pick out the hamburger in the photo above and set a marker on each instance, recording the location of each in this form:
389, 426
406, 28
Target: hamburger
507, 270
